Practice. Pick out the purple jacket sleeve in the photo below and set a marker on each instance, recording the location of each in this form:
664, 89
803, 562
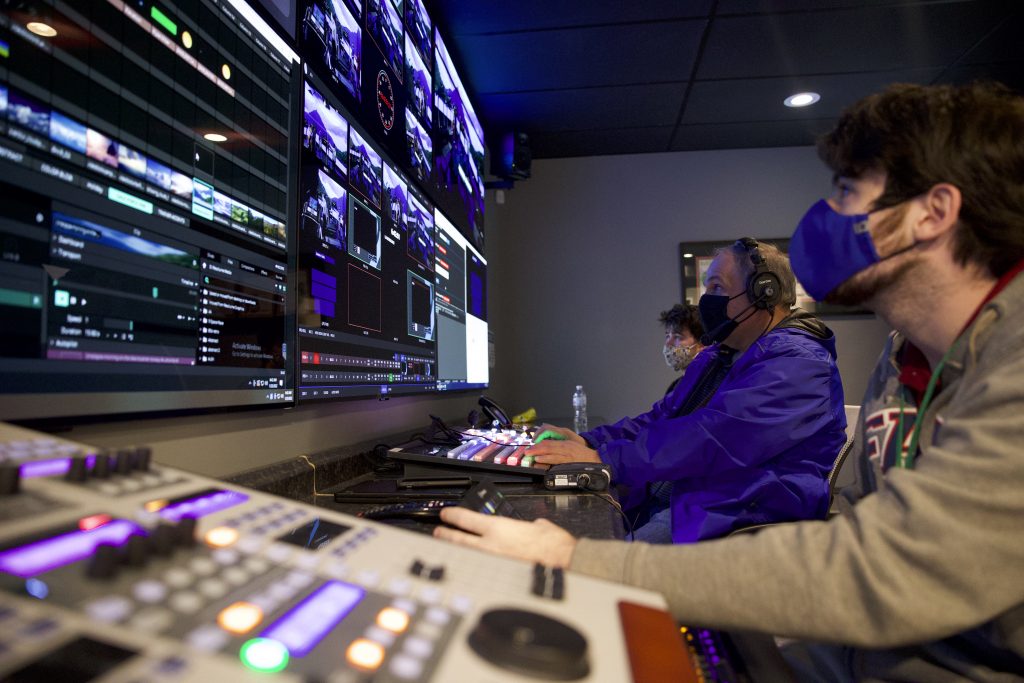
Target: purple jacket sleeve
772, 399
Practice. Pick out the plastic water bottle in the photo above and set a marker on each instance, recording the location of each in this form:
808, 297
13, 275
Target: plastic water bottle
579, 409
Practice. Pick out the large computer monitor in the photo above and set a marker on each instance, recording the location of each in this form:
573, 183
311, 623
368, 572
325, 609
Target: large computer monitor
147, 184
461, 304
365, 263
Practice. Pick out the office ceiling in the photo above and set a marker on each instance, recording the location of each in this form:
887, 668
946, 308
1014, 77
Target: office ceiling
595, 77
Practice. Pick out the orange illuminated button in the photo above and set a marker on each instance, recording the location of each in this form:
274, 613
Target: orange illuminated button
240, 618
221, 537
365, 654
393, 619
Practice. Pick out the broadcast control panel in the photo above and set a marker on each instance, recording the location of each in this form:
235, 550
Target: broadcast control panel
115, 568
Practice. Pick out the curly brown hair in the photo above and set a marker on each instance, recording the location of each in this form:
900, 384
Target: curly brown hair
970, 136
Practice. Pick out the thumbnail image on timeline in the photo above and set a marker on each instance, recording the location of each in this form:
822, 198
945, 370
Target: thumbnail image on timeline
461, 305
144, 227
366, 250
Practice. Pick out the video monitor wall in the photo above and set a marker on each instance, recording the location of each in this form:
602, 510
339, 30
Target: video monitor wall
146, 170
386, 63
461, 303
365, 263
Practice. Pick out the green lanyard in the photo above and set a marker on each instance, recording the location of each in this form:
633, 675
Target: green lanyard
906, 459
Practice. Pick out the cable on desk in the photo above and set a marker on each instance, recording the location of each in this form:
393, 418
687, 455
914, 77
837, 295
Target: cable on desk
379, 460
607, 497
311, 464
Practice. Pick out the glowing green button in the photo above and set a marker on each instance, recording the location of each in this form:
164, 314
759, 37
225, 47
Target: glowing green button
264, 655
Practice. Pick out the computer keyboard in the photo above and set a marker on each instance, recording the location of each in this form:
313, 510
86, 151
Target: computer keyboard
483, 497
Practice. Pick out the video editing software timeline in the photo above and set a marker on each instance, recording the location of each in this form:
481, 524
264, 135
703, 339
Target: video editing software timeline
366, 247
144, 166
461, 303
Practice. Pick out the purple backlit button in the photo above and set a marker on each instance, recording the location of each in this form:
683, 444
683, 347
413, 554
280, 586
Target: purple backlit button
306, 624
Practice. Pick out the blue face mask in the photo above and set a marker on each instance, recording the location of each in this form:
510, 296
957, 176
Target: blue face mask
829, 248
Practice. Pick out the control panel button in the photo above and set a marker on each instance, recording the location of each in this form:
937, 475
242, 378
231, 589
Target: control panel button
365, 654
109, 609
240, 618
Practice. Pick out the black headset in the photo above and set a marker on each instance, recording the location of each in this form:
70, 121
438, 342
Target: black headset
764, 289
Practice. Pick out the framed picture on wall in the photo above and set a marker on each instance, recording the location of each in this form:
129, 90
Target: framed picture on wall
695, 259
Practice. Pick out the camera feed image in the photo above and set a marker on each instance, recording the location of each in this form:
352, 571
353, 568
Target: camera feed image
420, 306
459, 153
325, 133
384, 24
365, 168
420, 241
419, 145
418, 25
331, 39
396, 196
417, 82
364, 237
324, 210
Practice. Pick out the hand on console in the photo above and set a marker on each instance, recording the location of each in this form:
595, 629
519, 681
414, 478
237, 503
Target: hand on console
551, 452
549, 431
537, 541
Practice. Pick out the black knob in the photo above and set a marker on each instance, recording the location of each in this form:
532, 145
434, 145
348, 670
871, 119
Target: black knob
10, 478
136, 551
101, 466
78, 470
162, 540
143, 456
123, 461
531, 644
186, 532
103, 563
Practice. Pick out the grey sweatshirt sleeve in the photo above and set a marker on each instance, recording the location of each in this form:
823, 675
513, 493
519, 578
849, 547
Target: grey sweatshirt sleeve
938, 550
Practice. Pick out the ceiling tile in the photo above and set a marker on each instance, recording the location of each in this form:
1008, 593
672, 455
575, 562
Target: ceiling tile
600, 142
1005, 44
621, 107
1011, 75
472, 16
641, 53
842, 41
744, 135
761, 99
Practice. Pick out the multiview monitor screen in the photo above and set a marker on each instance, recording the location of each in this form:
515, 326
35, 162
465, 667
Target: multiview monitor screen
365, 263
385, 63
461, 307
147, 185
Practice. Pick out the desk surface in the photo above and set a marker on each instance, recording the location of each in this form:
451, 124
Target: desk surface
584, 514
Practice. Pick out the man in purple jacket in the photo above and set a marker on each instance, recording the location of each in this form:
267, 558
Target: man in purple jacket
749, 434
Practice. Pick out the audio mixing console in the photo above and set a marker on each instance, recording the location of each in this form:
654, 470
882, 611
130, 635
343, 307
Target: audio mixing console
114, 568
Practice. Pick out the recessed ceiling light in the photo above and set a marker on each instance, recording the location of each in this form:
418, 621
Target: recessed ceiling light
215, 137
41, 29
186, 40
687, 255
801, 99
225, 71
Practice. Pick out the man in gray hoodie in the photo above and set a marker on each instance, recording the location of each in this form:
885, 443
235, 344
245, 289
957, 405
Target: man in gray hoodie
921, 577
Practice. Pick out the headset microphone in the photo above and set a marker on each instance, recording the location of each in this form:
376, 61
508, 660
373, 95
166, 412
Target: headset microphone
708, 338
